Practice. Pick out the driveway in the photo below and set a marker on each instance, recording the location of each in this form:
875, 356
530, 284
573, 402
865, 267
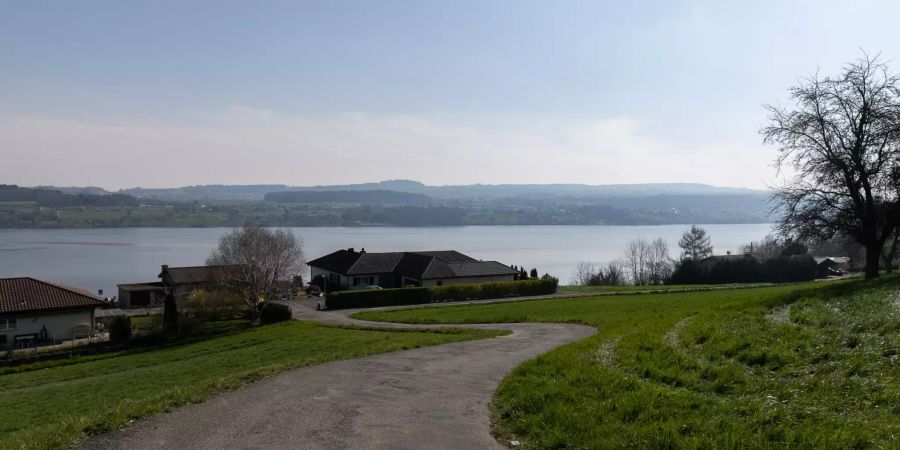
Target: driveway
428, 398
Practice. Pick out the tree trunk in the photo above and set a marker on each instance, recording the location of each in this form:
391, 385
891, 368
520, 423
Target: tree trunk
170, 313
873, 257
889, 257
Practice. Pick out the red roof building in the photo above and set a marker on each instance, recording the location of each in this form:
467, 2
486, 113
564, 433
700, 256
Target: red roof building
35, 311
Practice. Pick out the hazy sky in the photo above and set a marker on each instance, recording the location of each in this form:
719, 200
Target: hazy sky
125, 93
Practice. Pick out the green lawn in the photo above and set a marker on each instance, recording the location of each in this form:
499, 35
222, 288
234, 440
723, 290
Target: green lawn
51, 405
654, 288
813, 365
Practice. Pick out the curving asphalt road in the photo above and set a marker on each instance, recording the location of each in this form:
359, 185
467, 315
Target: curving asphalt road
428, 398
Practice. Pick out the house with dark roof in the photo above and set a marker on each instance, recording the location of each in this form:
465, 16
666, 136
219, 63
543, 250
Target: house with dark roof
831, 265
184, 280
181, 281
35, 312
348, 269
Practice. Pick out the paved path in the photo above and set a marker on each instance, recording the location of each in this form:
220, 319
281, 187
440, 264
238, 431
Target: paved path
428, 398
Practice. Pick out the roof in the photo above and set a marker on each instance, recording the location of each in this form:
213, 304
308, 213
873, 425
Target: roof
421, 264
25, 294
188, 275
141, 286
339, 261
466, 269
832, 259
368, 263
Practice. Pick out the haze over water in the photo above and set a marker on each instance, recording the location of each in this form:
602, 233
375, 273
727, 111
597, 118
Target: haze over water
101, 258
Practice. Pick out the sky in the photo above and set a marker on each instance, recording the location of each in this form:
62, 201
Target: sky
169, 93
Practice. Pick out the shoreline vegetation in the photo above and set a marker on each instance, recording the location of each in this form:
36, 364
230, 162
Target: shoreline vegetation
397, 203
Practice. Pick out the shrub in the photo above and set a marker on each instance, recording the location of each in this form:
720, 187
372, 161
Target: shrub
377, 297
449, 293
789, 268
120, 329
275, 312
188, 325
742, 270
781, 269
216, 305
687, 271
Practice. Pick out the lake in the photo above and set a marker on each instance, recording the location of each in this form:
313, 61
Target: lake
101, 258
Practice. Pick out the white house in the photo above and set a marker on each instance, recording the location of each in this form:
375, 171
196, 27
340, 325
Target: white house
36, 312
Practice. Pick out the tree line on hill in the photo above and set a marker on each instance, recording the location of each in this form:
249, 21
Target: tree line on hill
55, 198
377, 197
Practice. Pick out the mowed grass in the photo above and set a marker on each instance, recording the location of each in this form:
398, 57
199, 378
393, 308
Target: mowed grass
662, 288
812, 365
51, 405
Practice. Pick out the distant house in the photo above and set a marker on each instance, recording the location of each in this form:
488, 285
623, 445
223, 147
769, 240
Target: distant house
141, 295
828, 264
184, 280
181, 281
347, 269
35, 312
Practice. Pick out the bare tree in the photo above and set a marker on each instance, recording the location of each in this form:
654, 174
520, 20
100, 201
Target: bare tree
695, 244
257, 262
636, 261
612, 275
768, 248
841, 139
659, 263
583, 273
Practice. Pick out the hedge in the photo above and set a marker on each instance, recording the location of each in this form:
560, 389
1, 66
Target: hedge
451, 293
274, 313
747, 270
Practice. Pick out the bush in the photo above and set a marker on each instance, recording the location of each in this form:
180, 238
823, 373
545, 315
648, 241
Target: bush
217, 305
377, 297
275, 312
781, 269
785, 269
743, 270
120, 329
449, 293
687, 272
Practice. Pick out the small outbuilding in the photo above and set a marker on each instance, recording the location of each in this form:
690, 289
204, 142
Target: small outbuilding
34, 312
141, 295
832, 265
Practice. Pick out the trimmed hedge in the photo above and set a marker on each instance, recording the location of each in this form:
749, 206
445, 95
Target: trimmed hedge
451, 293
781, 269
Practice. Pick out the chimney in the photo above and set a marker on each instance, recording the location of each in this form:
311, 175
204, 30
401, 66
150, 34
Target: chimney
100, 293
350, 249
165, 267
362, 250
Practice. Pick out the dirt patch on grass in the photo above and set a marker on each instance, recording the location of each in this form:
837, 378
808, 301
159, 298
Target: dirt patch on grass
672, 336
780, 315
606, 351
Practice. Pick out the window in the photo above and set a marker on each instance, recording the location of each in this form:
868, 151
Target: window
7, 324
363, 281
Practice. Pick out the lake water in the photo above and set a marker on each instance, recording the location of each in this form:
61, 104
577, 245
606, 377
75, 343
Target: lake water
101, 258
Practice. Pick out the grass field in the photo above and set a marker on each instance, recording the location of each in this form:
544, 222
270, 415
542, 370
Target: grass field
653, 288
49, 405
812, 365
